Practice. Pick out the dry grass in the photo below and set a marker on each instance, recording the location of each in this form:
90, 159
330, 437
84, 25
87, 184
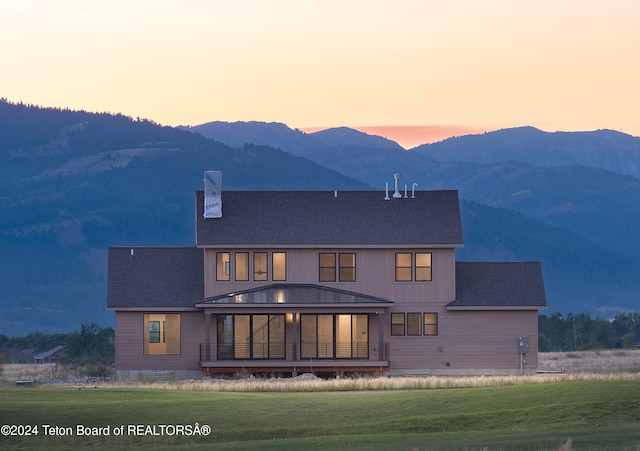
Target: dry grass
590, 361
558, 366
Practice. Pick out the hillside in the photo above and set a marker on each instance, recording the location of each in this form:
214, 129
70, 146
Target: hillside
74, 183
594, 207
605, 149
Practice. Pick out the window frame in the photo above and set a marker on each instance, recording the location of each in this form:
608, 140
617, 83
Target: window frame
258, 276
416, 267
224, 274
414, 317
325, 267
431, 325
395, 322
275, 270
240, 267
404, 268
352, 269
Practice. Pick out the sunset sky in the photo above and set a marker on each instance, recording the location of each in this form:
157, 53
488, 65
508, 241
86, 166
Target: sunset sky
422, 69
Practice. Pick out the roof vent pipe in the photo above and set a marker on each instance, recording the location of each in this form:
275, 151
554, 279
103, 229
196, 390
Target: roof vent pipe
386, 196
405, 191
396, 194
413, 190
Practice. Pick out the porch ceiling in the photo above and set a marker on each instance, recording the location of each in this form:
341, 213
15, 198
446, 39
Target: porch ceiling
294, 294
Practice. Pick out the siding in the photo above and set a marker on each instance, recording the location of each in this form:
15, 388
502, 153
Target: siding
473, 340
129, 343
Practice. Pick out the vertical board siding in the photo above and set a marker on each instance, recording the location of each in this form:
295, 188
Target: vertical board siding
129, 343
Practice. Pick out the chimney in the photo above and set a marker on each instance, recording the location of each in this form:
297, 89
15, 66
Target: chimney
213, 194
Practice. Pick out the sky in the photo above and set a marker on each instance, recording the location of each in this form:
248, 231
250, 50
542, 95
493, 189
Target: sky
412, 70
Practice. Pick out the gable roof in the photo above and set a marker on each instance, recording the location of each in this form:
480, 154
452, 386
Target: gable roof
50, 353
498, 285
297, 294
155, 277
323, 218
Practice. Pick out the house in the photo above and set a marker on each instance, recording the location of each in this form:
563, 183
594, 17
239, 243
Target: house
53, 355
323, 282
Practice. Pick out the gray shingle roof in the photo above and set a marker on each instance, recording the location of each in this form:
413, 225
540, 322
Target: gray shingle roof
319, 218
499, 285
155, 277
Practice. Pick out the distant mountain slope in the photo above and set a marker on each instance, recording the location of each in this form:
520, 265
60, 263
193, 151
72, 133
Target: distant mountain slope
604, 149
74, 183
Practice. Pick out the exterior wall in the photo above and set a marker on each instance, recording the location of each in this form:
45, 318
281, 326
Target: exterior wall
129, 337
470, 342
375, 274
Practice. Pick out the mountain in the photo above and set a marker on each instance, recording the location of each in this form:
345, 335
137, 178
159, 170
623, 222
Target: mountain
605, 149
74, 183
540, 175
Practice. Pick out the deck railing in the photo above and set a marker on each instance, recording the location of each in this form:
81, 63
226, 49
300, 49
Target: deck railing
285, 351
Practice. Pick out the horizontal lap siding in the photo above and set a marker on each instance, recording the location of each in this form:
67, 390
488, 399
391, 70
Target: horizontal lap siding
130, 350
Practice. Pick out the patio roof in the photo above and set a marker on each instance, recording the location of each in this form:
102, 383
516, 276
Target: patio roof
296, 294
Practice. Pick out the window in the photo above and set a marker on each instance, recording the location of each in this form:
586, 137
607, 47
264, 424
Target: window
413, 323
341, 336
403, 267
223, 270
430, 324
279, 265
251, 336
406, 270
347, 267
327, 267
260, 266
242, 266
162, 334
423, 266
397, 324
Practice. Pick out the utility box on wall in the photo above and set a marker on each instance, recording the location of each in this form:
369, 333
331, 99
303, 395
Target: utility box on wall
524, 345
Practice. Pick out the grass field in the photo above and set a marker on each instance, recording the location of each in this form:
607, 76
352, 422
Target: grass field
593, 404
572, 414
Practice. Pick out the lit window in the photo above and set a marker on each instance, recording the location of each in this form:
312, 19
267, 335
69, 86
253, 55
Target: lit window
423, 266
279, 265
327, 267
397, 324
430, 324
163, 340
260, 266
347, 267
223, 270
242, 266
403, 267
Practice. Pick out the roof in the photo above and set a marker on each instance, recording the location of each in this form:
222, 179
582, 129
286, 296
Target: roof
497, 285
298, 294
45, 355
355, 218
155, 277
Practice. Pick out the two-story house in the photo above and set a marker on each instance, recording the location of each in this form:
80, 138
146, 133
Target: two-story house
323, 282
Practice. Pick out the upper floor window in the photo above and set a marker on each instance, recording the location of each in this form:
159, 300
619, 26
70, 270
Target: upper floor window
345, 268
409, 268
245, 264
242, 266
223, 266
327, 267
260, 271
279, 265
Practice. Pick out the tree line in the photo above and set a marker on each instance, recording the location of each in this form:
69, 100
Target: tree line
581, 332
89, 345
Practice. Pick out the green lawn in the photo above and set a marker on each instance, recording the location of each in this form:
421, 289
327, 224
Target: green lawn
592, 414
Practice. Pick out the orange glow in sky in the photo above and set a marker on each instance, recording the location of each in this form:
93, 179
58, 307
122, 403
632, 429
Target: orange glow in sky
413, 65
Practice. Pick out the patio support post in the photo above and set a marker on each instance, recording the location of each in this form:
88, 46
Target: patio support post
381, 335
294, 336
207, 336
